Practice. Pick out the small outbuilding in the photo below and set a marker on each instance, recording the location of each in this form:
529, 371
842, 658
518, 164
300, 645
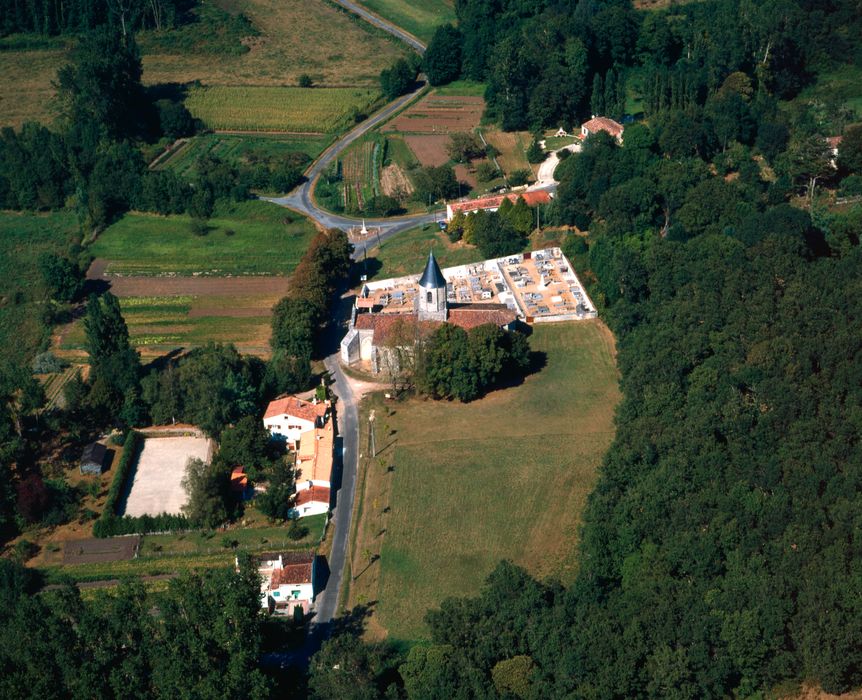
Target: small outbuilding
93, 458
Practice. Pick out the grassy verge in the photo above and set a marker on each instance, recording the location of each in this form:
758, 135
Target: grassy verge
248, 238
513, 485
461, 88
321, 110
420, 19
405, 254
23, 238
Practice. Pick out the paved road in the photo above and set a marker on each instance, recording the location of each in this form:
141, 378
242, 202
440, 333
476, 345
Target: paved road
301, 198
378, 21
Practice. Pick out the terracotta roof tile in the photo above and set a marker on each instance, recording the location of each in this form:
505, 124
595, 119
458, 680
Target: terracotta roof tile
531, 198
315, 494
471, 318
298, 408
596, 124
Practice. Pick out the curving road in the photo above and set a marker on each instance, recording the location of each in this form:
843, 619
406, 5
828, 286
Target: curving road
378, 21
302, 198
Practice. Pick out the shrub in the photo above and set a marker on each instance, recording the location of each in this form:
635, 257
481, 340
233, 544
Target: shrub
24, 550
48, 363
535, 154
305, 81
113, 525
519, 177
102, 527
851, 186
486, 172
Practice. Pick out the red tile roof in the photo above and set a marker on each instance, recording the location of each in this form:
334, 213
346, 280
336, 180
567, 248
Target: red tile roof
385, 326
531, 198
471, 318
597, 124
238, 479
834, 141
297, 408
315, 494
297, 569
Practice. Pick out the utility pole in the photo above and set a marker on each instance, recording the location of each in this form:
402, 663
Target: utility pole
371, 434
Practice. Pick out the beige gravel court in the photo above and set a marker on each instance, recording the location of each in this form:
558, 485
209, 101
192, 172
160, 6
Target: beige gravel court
156, 484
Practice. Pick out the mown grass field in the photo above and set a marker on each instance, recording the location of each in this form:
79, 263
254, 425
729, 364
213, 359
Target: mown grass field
249, 238
420, 19
505, 477
293, 38
326, 110
237, 148
23, 238
461, 88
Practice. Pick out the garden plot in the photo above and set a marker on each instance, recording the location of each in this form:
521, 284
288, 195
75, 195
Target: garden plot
439, 114
156, 485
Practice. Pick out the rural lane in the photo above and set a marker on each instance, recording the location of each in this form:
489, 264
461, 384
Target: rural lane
301, 198
378, 21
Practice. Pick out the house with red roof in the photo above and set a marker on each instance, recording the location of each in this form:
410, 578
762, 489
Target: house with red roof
314, 500
470, 206
606, 124
287, 417
288, 581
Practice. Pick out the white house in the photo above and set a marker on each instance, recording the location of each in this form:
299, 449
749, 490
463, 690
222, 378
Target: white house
311, 501
288, 417
288, 581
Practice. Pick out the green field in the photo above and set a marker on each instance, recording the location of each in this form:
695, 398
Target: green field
249, 238
420, 19
23, 237
406, 253
505, 477
236, 149
291, 109
461, 88
842, 86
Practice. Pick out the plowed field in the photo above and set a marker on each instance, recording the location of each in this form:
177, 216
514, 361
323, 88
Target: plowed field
437, 114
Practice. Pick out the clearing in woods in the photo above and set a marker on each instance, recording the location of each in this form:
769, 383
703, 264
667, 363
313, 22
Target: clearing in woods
294, 37
420, 19
525, 458
23, 238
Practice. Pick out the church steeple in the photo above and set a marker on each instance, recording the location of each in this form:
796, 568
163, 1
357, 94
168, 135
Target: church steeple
431, 300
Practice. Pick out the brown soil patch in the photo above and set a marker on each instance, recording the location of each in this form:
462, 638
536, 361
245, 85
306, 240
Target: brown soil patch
95, 551
394, 182
463, 174
439, 115
429, 150
195, 286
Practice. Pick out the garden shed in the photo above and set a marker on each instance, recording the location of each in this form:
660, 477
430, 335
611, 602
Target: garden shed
93, 458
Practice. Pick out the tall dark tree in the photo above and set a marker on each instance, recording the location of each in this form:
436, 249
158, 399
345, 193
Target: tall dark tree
442, 60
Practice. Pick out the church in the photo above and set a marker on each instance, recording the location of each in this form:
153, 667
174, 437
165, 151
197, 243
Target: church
391, 316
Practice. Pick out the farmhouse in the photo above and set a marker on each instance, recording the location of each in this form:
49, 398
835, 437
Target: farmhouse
93, 458
532, 199
606, 124
314, 458
311, 501
288, 417
390, 316
288, 581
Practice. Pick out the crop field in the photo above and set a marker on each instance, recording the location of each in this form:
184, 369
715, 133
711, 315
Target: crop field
248, 238
428, 149
420, 19
512, 147
443, 504
294, 38
23, 238
292, 109
360, 172
235, 148
439, 114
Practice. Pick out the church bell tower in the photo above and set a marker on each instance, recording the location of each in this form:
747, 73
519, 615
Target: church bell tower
431, 301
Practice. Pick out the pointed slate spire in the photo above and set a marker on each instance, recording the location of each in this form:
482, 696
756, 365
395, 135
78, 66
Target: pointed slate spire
432, 278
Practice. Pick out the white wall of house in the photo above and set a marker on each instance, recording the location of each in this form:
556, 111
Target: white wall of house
308, 509
287, 428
